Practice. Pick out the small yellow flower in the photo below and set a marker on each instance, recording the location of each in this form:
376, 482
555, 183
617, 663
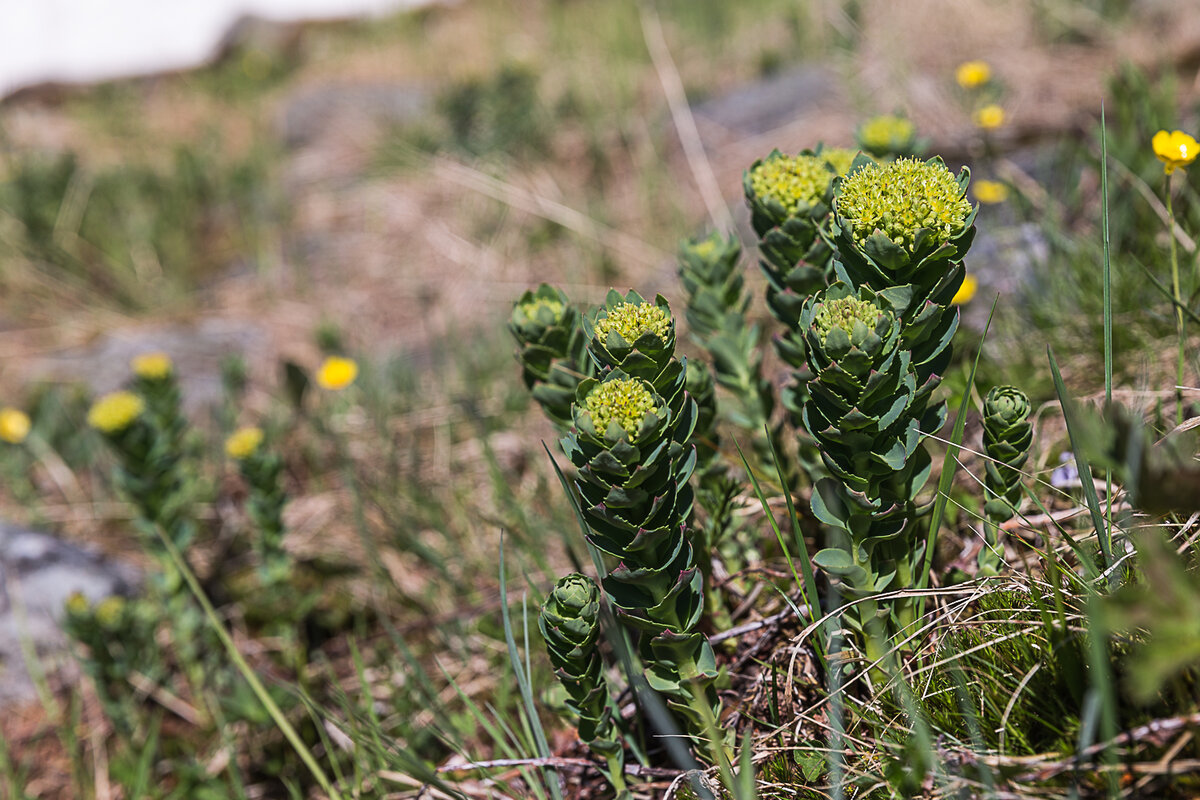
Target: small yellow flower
989, 117
152, 366
973, 74
632, 320
337, 373
1175, 149
77, 604
965, 292
990, 191
115, 412
14, 425
623, 401
109, 612
243, 443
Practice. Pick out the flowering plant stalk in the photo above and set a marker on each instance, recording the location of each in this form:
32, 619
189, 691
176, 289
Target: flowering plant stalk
876, 344
1007, 436
630, 442
261, 469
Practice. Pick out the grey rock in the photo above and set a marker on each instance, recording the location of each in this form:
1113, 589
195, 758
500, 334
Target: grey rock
313, 110
38, 572
760, 107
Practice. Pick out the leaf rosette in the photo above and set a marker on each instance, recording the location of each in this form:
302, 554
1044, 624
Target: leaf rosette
862, 388
1007, 436
570, 625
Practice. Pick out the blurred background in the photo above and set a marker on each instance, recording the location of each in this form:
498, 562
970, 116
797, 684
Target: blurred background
248, 186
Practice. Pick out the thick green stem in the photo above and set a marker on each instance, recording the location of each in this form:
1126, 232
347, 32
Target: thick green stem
1180, 325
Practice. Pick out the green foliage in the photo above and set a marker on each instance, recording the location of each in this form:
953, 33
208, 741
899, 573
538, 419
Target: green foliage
1007, 436
133, 232
501, 113
552, 350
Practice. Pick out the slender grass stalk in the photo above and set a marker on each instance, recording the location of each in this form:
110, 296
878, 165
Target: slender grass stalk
1180, 325
260, 691
1108, 344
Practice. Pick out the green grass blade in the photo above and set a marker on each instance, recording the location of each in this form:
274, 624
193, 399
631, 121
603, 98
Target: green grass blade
514, 659
1108, 346
1103, 534
597, 560
810, 582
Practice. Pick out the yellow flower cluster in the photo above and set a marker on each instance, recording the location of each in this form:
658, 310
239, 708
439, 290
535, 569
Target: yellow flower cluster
1175, 149
14, 425
902, 198
243, 443
886, 132
532, 309
973, 74
632, 320
795, 181
115, 412
336, 373
843, 313
625, 401
152, 366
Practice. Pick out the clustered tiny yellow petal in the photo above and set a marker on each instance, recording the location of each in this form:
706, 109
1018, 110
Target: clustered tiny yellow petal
973, 74
843, 313
152, 366
989, 117
243, 443
14, 425
633, 320
109, 611
901, 198
77, 604
115, 412
337, 373
705, 247
990, 191
887, 131
794, 181
965, 292
1175, 149
625, 401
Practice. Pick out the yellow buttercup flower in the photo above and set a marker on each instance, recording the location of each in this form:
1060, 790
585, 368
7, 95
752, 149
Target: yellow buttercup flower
337, 373
973, 74
152, 366
1175, 149
14, 425
989, 117
990, 191
115, 412
965, 292
243, 443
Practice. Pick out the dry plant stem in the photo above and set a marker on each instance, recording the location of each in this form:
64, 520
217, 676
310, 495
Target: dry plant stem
1180, 330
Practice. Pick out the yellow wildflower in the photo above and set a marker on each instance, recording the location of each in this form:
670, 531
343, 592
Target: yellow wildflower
989, 117
901, 198
243, 443
1175, 149
965, 292
795, 182
14, 425
115, 412
337, 373
990, 191
152, 366
973, 74
77, 604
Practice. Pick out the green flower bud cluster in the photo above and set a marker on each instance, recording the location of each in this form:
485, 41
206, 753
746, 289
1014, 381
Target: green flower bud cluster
635, 496
570, 625
552, 345
793, 183
1007, 436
